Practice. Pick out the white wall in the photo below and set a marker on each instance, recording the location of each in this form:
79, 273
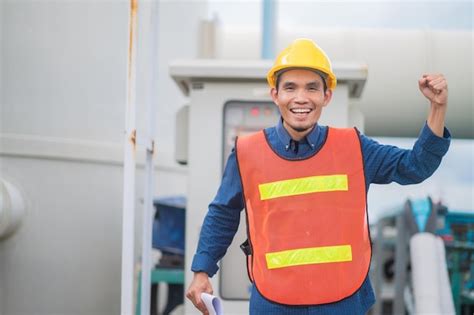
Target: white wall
63, 101
65, 258
60, 57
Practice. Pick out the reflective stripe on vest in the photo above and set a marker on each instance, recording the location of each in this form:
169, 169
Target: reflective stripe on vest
307, 220
306, 256
300, 186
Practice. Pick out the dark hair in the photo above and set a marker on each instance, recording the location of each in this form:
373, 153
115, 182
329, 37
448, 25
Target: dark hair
321, 74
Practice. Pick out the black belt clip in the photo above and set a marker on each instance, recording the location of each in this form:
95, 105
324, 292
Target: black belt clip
246, 248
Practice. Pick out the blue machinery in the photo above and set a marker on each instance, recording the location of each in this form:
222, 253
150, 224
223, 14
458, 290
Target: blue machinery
392, 270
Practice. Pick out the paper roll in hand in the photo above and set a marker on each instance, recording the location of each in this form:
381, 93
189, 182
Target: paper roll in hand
213, 304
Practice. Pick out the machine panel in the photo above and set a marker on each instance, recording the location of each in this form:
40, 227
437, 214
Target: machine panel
241, 118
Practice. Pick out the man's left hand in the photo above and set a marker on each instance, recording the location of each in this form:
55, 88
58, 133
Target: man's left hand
435, 88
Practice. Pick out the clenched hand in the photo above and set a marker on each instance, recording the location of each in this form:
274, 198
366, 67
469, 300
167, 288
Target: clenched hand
435, 88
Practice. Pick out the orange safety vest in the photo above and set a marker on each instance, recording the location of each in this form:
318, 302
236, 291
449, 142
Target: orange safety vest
307, 222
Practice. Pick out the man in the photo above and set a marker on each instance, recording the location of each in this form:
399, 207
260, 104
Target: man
304, 188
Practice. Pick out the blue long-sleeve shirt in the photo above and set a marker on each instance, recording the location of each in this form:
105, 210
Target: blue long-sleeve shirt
383, 164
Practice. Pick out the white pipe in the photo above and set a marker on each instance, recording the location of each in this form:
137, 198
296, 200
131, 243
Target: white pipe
447, 302
268, 29
431, 287
148, 213
128, 218
12, 208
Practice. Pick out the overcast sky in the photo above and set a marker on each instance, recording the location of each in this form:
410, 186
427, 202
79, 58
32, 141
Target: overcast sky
349, 13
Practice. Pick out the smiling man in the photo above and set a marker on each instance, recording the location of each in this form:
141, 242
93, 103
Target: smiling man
303, 187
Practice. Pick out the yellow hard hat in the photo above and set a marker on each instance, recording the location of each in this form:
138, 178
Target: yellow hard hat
303, 53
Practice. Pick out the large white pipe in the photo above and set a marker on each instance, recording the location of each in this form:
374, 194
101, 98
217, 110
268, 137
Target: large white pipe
447, 301
431, 287
12, 208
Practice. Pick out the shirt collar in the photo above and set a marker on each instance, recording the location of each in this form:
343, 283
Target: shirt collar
285, 138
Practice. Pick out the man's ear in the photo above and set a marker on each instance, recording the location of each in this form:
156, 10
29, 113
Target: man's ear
327, 97
274, 94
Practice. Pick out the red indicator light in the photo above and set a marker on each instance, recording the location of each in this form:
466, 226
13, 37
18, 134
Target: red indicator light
255, 111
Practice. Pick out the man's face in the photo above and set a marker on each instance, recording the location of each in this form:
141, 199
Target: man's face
300, 97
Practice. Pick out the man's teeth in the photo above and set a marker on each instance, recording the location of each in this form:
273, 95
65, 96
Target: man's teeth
300, 110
